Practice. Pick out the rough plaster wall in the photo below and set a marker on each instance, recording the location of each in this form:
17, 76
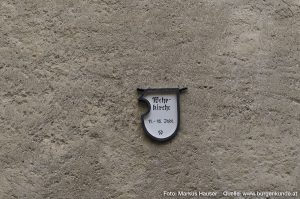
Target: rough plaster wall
69, 116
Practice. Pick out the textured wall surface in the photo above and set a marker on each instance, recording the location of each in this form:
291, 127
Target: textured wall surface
69, 115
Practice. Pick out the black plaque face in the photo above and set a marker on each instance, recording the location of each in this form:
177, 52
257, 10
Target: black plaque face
161, 121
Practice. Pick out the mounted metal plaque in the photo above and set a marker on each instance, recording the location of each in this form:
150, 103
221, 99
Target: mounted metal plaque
161, 121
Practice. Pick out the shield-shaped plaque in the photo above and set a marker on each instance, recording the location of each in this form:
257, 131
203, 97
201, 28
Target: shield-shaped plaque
161, 121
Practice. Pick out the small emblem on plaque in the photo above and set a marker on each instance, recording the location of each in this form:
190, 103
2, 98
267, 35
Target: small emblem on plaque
161, 121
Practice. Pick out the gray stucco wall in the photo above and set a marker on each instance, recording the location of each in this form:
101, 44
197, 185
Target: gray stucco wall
69, 116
